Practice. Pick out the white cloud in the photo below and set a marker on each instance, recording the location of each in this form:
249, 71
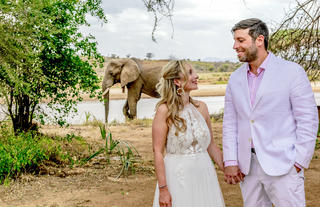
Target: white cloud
201, 28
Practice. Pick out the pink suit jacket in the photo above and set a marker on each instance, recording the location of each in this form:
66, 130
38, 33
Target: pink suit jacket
282, 123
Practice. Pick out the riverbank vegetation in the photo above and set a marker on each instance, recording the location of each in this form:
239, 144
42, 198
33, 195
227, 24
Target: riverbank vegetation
33, 152
41, 152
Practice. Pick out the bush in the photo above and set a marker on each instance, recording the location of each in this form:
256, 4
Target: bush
21, 153
24, 152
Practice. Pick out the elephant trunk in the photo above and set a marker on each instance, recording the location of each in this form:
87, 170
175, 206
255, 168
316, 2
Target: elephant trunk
106, 104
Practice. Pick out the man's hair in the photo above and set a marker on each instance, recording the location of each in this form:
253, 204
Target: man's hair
256, 28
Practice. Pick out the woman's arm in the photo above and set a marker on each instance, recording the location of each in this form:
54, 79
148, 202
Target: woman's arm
159, 136
213, 150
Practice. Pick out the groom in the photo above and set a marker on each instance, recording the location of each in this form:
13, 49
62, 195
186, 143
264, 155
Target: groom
270, 122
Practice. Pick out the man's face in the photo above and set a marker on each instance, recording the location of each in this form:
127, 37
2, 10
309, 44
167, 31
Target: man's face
244, 45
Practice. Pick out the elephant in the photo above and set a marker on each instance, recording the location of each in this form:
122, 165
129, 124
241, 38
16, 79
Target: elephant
130, 73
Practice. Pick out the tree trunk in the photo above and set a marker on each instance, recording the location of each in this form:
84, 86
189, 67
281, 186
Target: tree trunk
21, 120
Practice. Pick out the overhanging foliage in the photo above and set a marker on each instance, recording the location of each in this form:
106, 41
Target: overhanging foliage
297, 38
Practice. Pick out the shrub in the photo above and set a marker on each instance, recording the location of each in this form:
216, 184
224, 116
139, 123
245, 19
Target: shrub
22, 153
27, 152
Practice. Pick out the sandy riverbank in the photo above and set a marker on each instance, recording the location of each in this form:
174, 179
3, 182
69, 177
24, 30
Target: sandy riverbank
204, 90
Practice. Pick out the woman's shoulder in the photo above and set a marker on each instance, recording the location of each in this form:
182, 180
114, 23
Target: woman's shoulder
161, 114
200, 104
162, 108
202, 108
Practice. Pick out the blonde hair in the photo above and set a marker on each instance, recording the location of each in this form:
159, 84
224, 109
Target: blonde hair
168, 92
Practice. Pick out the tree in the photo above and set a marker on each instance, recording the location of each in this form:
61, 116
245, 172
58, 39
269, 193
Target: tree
297, 38
44, 57
149, 55
114, 55
41, 57
159, 8
172, 57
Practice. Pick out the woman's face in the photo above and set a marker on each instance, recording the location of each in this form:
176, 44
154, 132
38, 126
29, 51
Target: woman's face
192, 82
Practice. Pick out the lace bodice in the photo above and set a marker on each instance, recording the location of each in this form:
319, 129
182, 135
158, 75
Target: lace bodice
195, 139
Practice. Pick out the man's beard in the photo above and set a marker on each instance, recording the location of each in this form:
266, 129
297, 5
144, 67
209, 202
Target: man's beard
250, 55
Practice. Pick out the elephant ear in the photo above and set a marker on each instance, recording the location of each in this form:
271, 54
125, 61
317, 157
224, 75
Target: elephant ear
130, 72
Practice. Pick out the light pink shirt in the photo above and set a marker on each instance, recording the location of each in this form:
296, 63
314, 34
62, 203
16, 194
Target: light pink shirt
253, 84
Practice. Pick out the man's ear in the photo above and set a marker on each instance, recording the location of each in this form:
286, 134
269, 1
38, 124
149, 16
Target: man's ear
260, 41
177, 82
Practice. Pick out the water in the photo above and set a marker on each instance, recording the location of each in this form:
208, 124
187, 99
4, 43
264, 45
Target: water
145, 109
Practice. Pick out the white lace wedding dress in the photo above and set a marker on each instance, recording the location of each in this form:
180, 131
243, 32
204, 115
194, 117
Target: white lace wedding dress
190, 174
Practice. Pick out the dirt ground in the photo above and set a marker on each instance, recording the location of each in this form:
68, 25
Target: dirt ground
92, 185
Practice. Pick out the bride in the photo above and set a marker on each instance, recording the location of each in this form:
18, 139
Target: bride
186, 175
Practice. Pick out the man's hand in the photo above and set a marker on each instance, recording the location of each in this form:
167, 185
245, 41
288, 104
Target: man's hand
233, 175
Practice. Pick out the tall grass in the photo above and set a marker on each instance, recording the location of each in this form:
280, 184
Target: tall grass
91, 121
124, 151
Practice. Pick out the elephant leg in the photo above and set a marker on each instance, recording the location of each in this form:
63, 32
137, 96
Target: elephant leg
134, 94
125, 109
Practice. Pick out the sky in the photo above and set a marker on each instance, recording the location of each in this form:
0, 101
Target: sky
201, 28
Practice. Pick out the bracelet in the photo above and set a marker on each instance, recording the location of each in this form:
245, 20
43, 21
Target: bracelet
162, 186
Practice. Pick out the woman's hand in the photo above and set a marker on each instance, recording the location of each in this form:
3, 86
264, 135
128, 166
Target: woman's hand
164, 197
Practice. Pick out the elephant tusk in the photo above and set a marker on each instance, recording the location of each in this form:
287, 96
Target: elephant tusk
105, 91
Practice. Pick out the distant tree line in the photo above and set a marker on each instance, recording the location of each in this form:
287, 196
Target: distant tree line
200, 66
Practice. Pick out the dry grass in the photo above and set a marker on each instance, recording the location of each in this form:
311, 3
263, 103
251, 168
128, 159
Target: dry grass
214, 78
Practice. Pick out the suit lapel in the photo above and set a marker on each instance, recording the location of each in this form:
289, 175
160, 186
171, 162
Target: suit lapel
244, 84
265, 82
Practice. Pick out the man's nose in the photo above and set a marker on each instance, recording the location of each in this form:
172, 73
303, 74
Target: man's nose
235, 45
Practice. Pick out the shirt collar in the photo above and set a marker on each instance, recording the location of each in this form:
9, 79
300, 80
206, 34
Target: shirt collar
263, 66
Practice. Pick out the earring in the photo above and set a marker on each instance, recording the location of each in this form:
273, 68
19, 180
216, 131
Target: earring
180, 91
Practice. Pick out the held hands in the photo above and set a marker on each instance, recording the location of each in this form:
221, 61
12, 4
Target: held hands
165, 197
297, 169
233, 175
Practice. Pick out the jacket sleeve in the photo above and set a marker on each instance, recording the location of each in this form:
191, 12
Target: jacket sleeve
306, 116
229, 128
